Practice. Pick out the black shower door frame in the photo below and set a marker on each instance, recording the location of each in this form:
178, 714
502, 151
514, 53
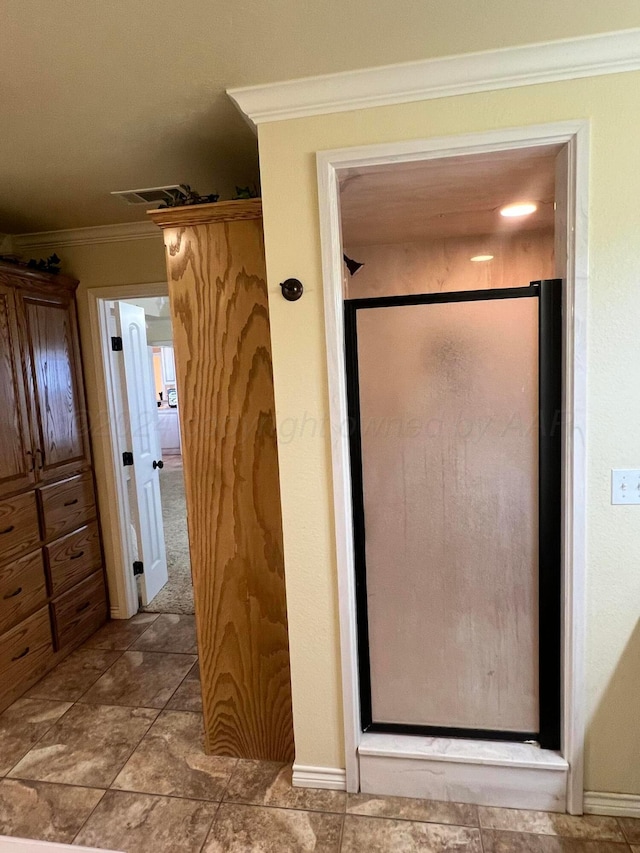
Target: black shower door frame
548, 292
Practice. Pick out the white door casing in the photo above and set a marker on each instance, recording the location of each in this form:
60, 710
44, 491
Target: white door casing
145, 445
330, 165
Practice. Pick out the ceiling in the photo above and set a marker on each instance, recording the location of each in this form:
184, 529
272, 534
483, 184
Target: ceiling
124, 94
448, 197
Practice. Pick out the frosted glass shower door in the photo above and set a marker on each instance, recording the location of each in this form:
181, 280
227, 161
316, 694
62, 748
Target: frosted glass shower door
446, 511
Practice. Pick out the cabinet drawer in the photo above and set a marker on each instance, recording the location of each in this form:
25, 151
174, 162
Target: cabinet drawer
81, 611
25, 653
67, 505
73, 557
22, 589
19, 530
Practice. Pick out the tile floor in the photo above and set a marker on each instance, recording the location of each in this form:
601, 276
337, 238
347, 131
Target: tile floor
106, 752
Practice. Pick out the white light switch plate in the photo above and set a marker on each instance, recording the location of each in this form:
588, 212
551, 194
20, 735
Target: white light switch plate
625, 486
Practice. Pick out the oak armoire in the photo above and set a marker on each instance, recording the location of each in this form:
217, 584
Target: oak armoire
52, 586
222, 347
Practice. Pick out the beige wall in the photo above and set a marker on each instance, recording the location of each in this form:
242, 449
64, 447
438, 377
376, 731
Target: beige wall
107, 265
287, 152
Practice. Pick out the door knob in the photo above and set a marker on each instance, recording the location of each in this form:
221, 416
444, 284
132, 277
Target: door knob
158, 464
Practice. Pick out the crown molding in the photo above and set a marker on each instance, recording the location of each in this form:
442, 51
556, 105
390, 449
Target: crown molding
87, 236
527, 65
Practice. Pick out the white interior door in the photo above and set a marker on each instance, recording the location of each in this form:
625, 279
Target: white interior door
140, 397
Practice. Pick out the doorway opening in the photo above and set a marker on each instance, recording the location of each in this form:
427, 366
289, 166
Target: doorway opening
420, 223
176, 595
452, 468
144, 470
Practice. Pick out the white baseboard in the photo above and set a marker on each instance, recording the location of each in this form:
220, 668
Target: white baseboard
617, 805
331, 778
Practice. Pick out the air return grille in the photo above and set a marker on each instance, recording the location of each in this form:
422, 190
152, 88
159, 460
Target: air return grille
151, 195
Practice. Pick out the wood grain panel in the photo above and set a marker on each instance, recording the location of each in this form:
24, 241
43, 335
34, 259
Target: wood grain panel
54, 375
222, 346
67, 505
22, 589
447, 196
19, 528
80, 612
434, 266
73, 557
16, 465
208, 214
26, 652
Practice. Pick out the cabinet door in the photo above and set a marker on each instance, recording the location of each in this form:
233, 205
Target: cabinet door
55, 383
16, 460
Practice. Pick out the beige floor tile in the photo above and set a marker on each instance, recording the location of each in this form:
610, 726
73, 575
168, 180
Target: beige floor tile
23, 724
379, 835
171, 760
188, 697
43, 811
145, 679
405, 808
631, 828
171, 632
549, 823
75, 675
139, 823
267, 784
88, 746
194, 672
118, 634
246, 829
495, 841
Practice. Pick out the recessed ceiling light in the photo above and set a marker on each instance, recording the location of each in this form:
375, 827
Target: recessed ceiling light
482, 258
520, 208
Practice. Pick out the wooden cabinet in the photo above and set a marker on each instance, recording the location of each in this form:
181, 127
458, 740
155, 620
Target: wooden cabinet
17, 463
222, 348
54, 382
52, 590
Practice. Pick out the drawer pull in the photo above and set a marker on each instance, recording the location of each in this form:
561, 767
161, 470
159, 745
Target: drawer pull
21, 655
76, 556
8, 529
83, 607
13, 594
71, 503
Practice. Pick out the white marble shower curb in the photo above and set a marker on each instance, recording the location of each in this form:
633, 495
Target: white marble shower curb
487, 773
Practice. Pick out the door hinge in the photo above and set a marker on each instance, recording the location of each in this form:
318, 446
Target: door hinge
127, 458
138, 568
116, 344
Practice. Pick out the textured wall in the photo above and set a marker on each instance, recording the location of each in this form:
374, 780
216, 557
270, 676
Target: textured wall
287, 152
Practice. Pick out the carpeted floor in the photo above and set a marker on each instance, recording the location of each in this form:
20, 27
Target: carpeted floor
177, 595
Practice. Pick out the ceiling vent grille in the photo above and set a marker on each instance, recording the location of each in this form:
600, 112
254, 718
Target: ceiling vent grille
151, 195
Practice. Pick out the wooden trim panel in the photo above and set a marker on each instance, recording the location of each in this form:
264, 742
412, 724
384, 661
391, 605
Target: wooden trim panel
23, 589
207, 214
26, 652
218, 293
19, 528
79, 612
73, 557
67, 505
